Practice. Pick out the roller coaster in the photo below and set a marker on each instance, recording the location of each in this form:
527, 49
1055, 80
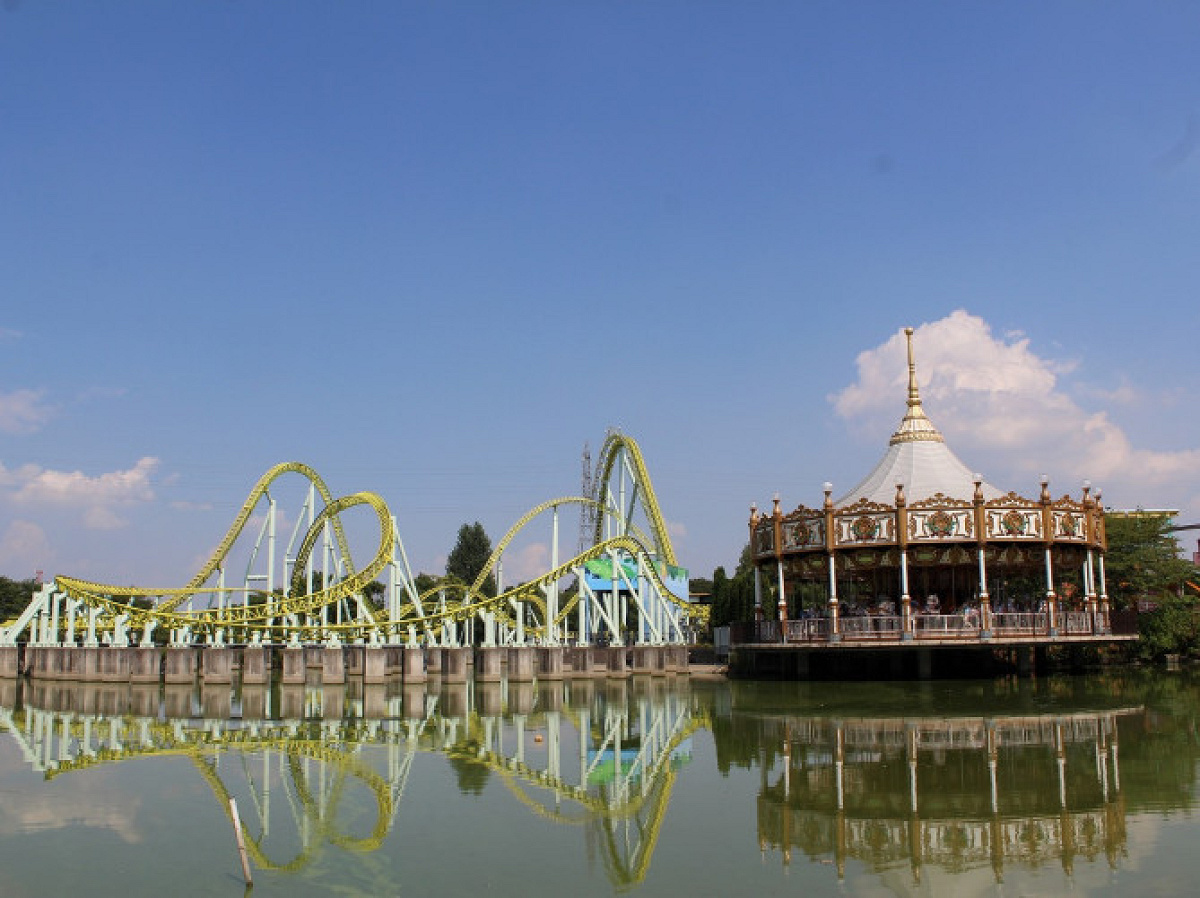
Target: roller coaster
622, 586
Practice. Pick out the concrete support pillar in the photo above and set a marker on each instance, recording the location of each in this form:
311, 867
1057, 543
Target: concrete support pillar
88, 663
455, 662
414, 664
395, 660
354, 660
333, 666
180, 664
520, 664
643, 660
294, 670
216, 665
579, 661
374, 664
9, 655
551, 667
488, 664
618, 661
115, 665
145, 664
433, 661
256, 665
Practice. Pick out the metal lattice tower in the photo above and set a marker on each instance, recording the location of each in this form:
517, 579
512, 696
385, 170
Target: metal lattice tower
587, 513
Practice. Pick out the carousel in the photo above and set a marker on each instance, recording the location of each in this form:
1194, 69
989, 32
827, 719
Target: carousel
925, 550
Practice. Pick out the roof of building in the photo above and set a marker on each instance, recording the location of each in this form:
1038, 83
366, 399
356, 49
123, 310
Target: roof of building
917, 457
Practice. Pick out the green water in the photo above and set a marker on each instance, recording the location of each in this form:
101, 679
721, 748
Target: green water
644, 787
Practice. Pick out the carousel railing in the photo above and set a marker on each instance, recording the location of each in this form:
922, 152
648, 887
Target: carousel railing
1019, 623
886, 627
810, 629
872, 626
945, 626
1077, 622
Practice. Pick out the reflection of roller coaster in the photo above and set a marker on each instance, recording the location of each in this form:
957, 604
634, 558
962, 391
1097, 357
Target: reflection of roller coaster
624, 585
598, 761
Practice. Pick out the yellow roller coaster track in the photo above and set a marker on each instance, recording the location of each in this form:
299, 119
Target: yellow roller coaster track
287, 614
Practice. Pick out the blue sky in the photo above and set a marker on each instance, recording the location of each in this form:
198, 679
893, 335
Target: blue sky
433, 249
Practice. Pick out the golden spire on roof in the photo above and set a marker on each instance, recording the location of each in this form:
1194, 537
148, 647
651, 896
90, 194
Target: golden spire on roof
915, 427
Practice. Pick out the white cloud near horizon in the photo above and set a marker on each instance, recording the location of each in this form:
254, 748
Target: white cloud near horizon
995, 394
24, 411
98, 497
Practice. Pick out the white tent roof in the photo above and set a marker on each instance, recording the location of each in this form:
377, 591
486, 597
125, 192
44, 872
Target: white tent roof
917, 457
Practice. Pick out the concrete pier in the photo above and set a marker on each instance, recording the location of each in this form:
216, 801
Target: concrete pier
294, 670
114, 666
550, 663
617, 658
9, 656
414, 664
374, 664
180, 665
488, 664
216, 665
520, 664
256, 665
455, 665
433, 661
145, 664
333, 666
578, 661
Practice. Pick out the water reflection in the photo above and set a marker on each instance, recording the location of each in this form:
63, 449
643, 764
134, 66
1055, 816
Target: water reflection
915, 784
956, 793
304, 762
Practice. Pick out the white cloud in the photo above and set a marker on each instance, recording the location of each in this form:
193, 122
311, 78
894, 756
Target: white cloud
526, 563
23, 411
24, 549
995, 394
98, 497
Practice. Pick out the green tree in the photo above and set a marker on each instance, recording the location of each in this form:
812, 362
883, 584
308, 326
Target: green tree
469, 555
374, 593
15, 596
1142, 560
721, 611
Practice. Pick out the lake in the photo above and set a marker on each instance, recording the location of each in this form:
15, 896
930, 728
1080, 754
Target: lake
641, 786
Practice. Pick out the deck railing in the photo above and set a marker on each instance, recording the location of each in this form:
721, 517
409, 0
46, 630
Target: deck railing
1020, 623
931, 627
810, 629
943, 626
872, 627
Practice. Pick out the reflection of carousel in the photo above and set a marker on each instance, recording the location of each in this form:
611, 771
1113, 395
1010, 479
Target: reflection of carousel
950, 793
924, 551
